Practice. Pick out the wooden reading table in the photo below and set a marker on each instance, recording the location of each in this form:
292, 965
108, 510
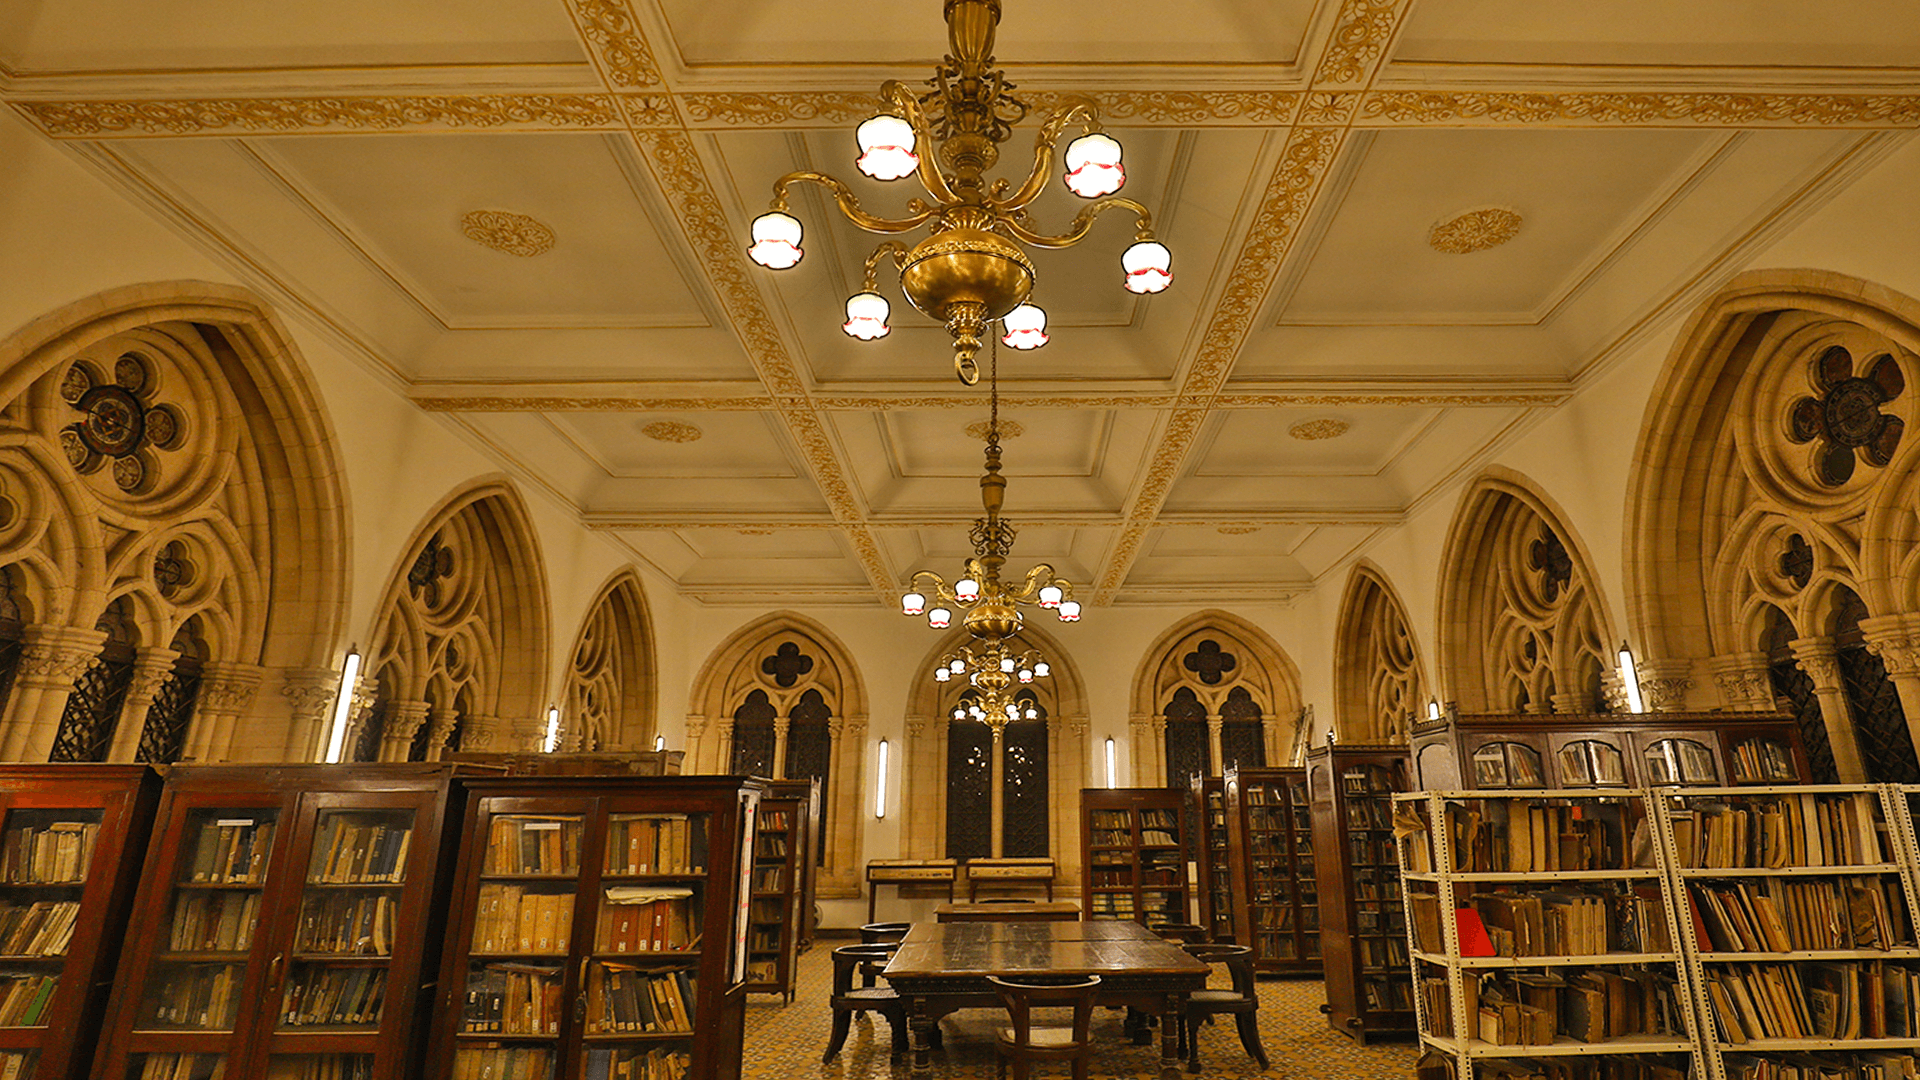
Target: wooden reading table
1019, 911
898, 872
941, 967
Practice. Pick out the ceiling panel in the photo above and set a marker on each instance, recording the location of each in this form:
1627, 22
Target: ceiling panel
662, 446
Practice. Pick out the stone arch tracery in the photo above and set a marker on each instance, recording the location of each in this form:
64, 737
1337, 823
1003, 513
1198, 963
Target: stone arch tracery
1522, 627
1776, 472
609, 699
788, 673
164, 457
1379, 680
459, 657
1216, 670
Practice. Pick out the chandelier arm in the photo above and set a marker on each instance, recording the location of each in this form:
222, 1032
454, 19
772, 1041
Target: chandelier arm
934, 584
1039, 577
899, 251
896, 93
1081, 109
848, 202
1082, 224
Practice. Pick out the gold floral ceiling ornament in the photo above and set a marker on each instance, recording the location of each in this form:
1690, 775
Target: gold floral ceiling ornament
514, 234
671, 431
972, 271
1237, 530
1324, 428
983, 429
1474, 230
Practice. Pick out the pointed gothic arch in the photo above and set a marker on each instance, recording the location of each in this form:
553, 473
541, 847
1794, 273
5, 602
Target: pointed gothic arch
1379, 680
1216, 665
459, 655
165, 453
805, 707
1777, 468
609, 699
1522, 625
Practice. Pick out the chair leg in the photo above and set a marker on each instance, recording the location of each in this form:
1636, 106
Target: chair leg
1250, 1038
838, 1037
1190, 1028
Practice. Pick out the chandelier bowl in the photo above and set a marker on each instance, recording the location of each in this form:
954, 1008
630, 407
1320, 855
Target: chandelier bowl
966, 266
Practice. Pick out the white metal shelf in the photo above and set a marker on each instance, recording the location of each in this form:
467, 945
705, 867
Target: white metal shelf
1591, 960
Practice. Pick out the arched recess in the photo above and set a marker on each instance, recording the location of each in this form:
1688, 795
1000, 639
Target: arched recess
168, 480
1522, 625
1215, 669
459, 656
1777, 470
1061, 695
795, 675
609, 699
1378, 678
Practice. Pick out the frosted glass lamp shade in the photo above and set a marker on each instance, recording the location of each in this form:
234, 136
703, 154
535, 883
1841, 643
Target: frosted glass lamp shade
912, 604
886, 147
1041, 669
1148, 265
939, 617
941, 674
776, 240
1070, 611
1026, 327
1050, 596
966, 589
1093, 166
867, 316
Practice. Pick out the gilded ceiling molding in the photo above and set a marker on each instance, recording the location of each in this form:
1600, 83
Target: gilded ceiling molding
1315, 430
1180, 108
1529, 399
548, 403
227, 116
507, 232
1359, 41
823, 108
619, 50
1322, 109
673, 431
1474, 230
1477, 109
650, 111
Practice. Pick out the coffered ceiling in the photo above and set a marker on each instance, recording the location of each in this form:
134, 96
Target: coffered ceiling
1401, 230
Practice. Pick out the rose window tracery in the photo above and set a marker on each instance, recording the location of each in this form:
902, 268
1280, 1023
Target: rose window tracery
1796, 563
172, 570
787, 664
1210, 662
1549, 556
1844, 419
119, 423
434, 563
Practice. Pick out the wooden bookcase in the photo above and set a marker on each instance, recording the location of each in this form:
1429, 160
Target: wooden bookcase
1134, 849
1362, 918
71, 841
1207, 809
285, 924
781, 906
1275, 892
596, 924
1602, 750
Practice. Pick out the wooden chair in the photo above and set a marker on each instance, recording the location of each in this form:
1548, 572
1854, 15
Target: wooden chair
848, 999
1182, 933
881, 933
1242, 1000
1021, 1044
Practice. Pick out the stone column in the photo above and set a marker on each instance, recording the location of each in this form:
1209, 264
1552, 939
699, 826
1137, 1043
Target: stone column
722, 746
1564, 704
1895, 639
481, 733
1144, 750
309, 694
528, 733
1744, 681
846, 796
226, 691
51, 658
366, 690
1817, 658
695, 732
440, 723
996, 790
919, 811
1075, 747
151, 669
1215, 752
403, 723
1664, 684
777, 768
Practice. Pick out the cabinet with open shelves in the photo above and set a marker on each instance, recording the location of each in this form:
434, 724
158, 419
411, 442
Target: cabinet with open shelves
1135, 852
1276, 905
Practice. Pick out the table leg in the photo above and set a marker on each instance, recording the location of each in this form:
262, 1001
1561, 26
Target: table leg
920, 1037
1170, 1014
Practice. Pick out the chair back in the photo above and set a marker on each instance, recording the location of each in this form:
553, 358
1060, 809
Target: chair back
877, 933
1186, 933
848, 959
1021, 997
1239, 963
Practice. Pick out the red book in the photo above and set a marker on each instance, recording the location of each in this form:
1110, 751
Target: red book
1472, 933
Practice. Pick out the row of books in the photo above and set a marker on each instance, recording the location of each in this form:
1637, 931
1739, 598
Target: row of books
1157, 838
1533, 1008
775, 821
231, 851
1110, 819
1112, 905
1272, 946
1160, 819
1501, 836
620, 1063
1787, 915
195, 996
656, 844
321, 1067
1382, 952
770, 846
1782, 830
636, 919
1764, 761
768, 879
24, 998
1366, 850
334, 996
1392, 994
1576, 922
183, 1067
354, 851
1110, 837
213, 921
1366, 780
625, 999
56, 853
514, 999
15, 1064
1631, 1067
42, 928
358, 924
1868, 1065
534, 845
513, 919
502, 1063
1870, 999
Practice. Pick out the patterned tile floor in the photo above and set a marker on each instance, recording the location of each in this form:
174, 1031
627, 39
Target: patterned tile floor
784, 1042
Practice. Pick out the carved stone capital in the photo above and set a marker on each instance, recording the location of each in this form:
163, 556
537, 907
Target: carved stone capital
916, 728
852, 729
227, 687
404, 719
1570, 703
1895, 639
1077, 727
1613, 691
441, 722
1158, 725
151, 670
480, 732
528, 734
1664, 684
781, 725
1744, 682
310, 692
51, 657
696, 726
1818, 659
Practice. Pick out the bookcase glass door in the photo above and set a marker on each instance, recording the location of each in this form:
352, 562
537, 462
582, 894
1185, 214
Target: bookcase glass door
1380, 926
44, 860
1306, 884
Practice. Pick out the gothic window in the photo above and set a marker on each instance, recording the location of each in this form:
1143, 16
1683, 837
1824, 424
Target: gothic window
1188, 753
1844, 421
1243, 742
93, 708
1376, 670
11, 628
164, 735
810, 752
1209, 662
1024, 830
1793, 686
1024, 784
1878, 720
969, 794
753, 736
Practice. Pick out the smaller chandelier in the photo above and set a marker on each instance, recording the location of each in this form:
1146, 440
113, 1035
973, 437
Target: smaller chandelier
996, 672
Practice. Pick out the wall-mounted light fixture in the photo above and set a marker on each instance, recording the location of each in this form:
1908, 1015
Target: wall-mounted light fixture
659, 742
1630, 678
553, 730
1433, 708
343, 704
880, 782
1113, 771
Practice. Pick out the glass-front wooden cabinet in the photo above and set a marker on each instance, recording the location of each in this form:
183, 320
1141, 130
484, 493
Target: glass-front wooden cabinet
284, 925
1362, 916
1275, 895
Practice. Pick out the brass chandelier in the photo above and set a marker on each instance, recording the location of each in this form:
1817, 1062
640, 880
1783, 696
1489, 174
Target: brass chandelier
989, 662
971, 271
